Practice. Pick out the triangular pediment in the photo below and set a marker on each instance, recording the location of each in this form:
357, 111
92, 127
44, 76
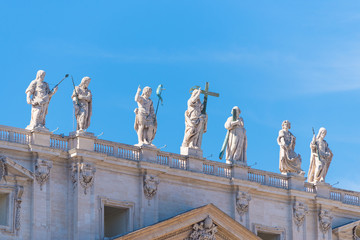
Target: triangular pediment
348, 231
207, 221
10, 169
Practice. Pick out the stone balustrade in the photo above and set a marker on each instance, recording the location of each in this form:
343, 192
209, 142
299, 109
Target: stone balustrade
177, 161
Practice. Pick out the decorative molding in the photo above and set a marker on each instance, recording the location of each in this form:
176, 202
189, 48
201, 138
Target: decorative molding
42, 171
150, 186
3, 170
87, 175
242, 203
204, 230
325, 220
18, 200
267, 229
300, 211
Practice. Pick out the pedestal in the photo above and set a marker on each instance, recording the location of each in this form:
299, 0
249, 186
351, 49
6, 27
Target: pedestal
41, 138
323, 189
191, 152
82, 140
296, 181
148, 152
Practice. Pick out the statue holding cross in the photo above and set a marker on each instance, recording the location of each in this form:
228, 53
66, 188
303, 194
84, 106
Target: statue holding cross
196, 120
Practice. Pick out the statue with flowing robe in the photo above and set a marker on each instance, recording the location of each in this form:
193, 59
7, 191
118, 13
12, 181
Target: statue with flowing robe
237, 140
195, 121
38, 94
289, 162
320, 159
145, 120
82, 100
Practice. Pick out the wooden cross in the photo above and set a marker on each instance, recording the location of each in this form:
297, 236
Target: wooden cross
206, 94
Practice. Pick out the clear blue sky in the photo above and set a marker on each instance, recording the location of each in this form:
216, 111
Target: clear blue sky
276, 60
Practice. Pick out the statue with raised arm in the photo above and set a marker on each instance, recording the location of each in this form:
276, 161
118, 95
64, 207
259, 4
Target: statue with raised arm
38, 94
237, 140
290, 162
145, 120
320, 159
195, 121
82, 100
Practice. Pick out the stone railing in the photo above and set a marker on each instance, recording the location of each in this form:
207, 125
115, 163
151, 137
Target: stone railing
17, 135
59, 142
308, 187
217, 169
117, 149
345, 196
268, 178
172, 160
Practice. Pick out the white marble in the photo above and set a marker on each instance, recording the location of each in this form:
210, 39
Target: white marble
145, 120
321, 157
290, 162
195, 122
237, 140
38, 95
82, 99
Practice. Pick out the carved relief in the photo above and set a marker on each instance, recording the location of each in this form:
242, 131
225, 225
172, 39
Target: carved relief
150, 186
85, 173
242, 203
2, 168
325, 220
204, 230
42, 171
300, 211
18, 195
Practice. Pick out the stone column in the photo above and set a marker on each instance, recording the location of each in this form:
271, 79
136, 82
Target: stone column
83, 213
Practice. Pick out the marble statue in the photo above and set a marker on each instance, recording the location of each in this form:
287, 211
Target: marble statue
38, 94
82, 100
145, 120
321, 157
237, 140
195, 121
289, 162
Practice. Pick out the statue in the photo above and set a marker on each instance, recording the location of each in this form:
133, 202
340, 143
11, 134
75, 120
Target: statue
145, 120
321, 157
195, 121
38, 94
236, 138
290, 162
82, 100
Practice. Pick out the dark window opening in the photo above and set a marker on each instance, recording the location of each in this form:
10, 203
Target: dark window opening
268, 236
116, 221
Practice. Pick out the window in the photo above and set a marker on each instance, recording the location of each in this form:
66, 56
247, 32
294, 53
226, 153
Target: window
268, 236
116, 217
4, 209
116, 221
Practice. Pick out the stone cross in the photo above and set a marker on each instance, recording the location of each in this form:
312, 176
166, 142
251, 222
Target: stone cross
206, 94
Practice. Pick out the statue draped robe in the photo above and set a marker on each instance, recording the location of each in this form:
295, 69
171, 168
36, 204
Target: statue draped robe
83, 110
289, 160
319, 166
237, 143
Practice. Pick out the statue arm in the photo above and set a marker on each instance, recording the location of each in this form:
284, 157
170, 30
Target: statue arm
30, 91
137, 95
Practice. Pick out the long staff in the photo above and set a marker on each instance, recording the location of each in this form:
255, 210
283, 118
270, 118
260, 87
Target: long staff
66, 75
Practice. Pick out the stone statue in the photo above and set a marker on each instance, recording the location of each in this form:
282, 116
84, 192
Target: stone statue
195, 121
82, 100
237, 140
321, 157
38, 94
290, 162
145, 120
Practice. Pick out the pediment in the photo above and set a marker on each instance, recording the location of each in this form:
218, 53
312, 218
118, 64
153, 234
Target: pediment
9, 169
349, 231
207, 222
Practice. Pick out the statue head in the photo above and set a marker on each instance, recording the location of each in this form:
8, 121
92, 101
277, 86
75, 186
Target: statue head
146, 92
40, 75
322, 133
85, 82
237, 111
196, 93
286, 125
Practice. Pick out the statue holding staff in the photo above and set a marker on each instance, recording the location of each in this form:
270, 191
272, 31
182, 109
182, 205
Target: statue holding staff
82, 99
289, 162
320, 159
236, 140
145, 120
38, 94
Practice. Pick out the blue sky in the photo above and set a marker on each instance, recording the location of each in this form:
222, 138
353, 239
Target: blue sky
276, 60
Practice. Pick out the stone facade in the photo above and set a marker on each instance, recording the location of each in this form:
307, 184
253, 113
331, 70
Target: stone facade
54, 187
